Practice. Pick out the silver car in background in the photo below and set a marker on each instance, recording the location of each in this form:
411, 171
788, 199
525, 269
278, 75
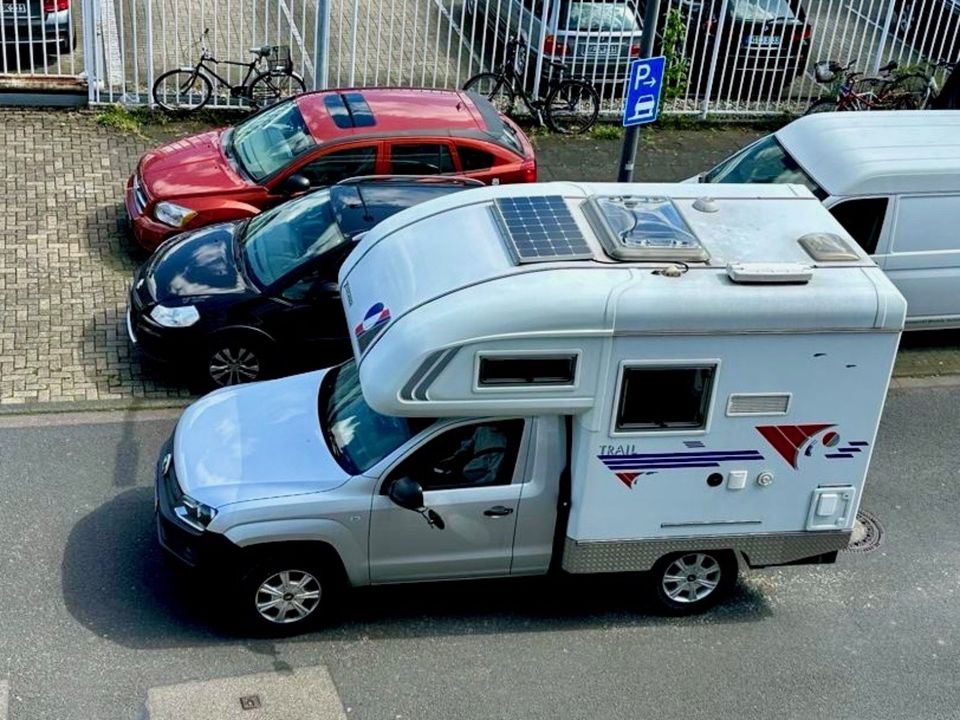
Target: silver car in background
595, 40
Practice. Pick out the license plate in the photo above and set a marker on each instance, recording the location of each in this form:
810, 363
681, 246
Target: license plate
14, 8
598, 49
762, 40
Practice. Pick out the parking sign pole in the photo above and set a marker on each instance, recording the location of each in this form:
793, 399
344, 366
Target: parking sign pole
631, 137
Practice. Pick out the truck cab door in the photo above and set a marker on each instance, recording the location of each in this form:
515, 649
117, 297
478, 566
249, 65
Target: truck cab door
471, 478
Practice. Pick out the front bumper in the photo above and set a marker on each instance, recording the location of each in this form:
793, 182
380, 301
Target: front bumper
203, 550
148, 233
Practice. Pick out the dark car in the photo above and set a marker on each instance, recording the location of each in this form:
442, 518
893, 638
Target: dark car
42, 24
763, 46
244, 300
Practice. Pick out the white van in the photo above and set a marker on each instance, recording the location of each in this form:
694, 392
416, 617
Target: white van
590, 378
892, 179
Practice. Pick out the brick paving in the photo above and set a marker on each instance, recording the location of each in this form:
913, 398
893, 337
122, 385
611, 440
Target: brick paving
66, 258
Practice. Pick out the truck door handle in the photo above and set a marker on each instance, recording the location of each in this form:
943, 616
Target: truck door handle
498, 511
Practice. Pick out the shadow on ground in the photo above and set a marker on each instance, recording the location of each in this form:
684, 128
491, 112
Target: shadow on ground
119, 585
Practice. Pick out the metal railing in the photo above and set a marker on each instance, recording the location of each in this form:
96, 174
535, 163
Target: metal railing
725, 57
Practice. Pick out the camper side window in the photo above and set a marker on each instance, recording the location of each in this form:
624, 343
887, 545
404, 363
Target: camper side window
664, 398
506, 371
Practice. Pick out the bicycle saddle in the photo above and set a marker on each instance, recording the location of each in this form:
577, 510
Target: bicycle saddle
262, 51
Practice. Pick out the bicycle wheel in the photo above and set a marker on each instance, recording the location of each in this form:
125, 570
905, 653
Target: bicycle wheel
822, 105
572, 107
182, 90
494, 88
271, 87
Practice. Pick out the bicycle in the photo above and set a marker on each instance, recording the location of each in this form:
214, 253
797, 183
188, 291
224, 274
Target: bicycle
269, 78
570, 106
856, 91
927, 92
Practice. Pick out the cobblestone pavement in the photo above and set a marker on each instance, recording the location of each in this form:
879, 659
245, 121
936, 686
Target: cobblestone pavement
66, 258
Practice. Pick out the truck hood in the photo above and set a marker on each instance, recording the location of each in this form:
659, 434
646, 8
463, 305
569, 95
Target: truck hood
255, 441
192, 166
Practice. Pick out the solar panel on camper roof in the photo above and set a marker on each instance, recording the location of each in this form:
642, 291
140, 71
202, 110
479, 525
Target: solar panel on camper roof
541, 228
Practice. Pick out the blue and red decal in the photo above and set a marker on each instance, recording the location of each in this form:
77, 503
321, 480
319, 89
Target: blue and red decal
794, 441
628, 468
372, 324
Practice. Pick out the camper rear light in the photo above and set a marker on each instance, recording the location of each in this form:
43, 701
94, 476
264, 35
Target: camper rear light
552, 46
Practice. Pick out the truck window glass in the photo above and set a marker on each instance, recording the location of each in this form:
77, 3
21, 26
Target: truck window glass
358, 436
927, 224
658, 398
522, 371
863, 219
478, 455
766, 161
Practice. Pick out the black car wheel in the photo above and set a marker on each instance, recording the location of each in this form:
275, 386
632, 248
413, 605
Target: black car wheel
690, 582
235, 358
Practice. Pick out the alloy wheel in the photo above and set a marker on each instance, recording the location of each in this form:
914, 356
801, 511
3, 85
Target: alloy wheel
233, 365
288, 596
691, 578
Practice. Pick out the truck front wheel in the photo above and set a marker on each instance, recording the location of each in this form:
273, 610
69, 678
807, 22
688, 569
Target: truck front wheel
282, 597
691, 582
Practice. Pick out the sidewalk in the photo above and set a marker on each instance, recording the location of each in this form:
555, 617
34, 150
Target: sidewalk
66, 258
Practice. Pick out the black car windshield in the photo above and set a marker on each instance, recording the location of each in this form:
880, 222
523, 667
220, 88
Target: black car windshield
761, 10
268, 141
358, 436
599, 17
766, 161
280, 240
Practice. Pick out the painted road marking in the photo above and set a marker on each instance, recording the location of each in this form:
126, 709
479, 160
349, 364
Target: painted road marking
302, 694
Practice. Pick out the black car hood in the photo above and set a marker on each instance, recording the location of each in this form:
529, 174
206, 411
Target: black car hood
196, 265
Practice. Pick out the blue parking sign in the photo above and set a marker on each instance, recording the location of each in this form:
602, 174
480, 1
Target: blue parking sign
642, 102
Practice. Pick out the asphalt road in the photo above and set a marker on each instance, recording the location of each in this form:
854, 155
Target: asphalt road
92, 621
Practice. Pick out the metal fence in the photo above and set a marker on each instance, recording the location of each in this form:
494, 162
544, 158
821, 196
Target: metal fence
724, 56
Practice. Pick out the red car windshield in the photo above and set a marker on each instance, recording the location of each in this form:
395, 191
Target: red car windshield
269, 141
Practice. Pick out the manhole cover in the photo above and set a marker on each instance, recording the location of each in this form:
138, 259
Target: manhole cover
866, 535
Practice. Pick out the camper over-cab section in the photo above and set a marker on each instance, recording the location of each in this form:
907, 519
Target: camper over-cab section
723, 352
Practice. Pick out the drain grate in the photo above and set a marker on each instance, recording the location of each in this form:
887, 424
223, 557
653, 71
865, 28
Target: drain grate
867, 533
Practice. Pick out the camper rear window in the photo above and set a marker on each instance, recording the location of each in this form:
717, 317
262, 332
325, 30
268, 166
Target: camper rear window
525, 371
664, 398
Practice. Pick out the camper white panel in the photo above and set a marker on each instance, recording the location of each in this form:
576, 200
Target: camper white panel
667, 460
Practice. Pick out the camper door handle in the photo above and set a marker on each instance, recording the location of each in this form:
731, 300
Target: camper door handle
498, 511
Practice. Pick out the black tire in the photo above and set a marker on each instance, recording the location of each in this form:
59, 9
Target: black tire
233, 358
281, 596
691, 582
269, 88
182, 90
822, 105
572, 107
494, 88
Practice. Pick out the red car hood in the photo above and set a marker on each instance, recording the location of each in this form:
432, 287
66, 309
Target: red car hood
192, 166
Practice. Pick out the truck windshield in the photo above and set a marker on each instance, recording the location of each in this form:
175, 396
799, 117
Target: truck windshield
766, 161
358, 436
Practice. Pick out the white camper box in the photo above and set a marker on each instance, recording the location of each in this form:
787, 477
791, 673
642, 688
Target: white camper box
723, 353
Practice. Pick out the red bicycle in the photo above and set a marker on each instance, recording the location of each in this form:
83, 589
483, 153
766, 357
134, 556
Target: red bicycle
854, 91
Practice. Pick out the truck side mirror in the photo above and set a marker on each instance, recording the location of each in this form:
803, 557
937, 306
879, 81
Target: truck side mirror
407, 494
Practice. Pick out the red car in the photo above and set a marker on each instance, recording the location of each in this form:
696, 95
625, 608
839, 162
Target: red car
319, 139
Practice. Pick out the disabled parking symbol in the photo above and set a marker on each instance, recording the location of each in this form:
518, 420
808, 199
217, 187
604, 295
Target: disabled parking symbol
642, 99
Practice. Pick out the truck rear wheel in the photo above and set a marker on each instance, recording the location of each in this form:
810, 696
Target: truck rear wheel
691, 582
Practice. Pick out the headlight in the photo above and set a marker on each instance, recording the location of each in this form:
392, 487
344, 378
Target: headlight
173, 215
175, 317
195, 513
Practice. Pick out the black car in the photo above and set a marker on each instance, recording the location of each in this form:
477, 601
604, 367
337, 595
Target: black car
245, 300
763, 46
40, 24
